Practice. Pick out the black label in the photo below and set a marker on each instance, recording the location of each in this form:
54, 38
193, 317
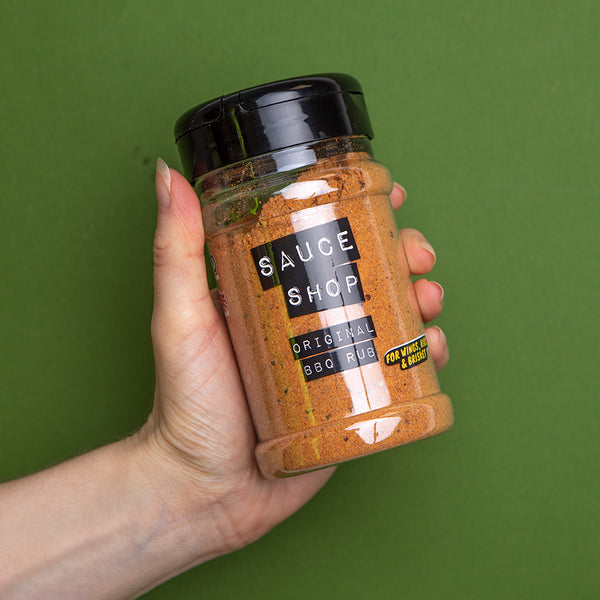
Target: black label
314, 267
335, 336
328, 363
409, 355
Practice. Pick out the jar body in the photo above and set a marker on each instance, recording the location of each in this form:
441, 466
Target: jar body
320, 307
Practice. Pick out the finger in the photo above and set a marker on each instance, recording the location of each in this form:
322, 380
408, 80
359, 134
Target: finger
398, 196
419, 252
181, 291
438, 346
430, 296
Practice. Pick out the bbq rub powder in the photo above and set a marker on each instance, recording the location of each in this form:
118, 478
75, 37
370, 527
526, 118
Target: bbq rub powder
319, 304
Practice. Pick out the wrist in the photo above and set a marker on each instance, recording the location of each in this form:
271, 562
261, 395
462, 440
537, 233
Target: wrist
184, 508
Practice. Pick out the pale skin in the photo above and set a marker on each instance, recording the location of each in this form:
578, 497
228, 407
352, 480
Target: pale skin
118, 521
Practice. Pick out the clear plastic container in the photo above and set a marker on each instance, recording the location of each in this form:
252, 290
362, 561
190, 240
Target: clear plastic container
320, 307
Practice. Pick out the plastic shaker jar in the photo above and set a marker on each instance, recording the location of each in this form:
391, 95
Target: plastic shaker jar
319, 304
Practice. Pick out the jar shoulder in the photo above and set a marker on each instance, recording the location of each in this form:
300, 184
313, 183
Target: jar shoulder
326, 182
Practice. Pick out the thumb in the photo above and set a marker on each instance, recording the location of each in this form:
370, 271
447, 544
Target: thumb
182, 300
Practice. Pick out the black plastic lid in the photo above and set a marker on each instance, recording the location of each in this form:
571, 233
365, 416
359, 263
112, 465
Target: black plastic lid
270, 117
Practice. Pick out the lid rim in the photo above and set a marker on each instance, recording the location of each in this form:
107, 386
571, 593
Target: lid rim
245, 110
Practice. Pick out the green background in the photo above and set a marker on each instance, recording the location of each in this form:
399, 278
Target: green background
487, 112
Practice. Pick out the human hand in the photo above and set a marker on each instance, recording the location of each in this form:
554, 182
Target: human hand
200, 433
119, 520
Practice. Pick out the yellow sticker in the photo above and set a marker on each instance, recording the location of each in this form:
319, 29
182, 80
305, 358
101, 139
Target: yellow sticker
408, 355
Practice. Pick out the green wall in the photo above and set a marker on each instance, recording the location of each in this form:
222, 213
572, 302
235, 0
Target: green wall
487, 112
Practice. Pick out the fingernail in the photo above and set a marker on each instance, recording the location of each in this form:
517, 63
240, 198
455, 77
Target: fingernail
441, 300
427, 246
163, 184
400, 189
442, 334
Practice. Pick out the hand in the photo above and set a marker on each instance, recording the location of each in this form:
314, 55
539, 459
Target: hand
200, 432
119, 520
